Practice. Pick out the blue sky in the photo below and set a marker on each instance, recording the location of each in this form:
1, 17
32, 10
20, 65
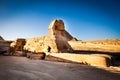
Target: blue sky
84, 19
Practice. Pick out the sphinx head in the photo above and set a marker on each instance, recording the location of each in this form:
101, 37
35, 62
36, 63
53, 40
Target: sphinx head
57, 25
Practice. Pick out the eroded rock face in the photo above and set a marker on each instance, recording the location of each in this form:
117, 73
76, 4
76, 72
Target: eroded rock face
4, 46
40, 44
1, 39
16, 47
36, 56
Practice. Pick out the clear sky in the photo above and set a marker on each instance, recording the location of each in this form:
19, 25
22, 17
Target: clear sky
84, 19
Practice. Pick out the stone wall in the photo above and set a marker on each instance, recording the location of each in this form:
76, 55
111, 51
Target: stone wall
40, 44
89, 59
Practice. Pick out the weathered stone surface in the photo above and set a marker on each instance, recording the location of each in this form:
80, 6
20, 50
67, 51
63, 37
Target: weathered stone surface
59, 40
36, 56
91, 46
18, 44
40, 44
56, 41
94, 60
59, 36
16, 47
19, 53
4, 46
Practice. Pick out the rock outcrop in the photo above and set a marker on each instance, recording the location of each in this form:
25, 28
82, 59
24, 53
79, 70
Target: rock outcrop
16, 47
18, 44
36, 56
1, 39
4, 46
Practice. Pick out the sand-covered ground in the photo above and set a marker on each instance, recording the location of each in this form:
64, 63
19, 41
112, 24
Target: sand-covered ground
22, 68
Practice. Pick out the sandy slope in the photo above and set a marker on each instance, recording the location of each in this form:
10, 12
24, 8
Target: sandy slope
21, 68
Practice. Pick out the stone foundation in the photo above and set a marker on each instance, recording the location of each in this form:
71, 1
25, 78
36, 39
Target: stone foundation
89, 59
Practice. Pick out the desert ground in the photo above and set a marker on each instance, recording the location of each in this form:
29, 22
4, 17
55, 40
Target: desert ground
22, 68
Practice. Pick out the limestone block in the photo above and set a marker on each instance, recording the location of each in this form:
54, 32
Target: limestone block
36, 56
19, 53
18, 44
94, 60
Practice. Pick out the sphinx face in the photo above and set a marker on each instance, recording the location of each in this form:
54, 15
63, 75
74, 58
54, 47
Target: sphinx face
59, 25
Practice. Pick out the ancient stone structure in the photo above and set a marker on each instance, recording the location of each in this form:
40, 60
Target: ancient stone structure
36, 56
16, 47
60, 41
56, 41
101, 60
59, 36
18, 44
40, 44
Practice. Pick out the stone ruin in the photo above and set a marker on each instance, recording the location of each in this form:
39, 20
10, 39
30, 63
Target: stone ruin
17, 47
60, 41
56, 41
60, 36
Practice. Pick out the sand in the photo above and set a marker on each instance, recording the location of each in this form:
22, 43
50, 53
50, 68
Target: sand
22, 68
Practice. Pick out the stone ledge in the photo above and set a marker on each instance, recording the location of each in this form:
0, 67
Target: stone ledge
101, 60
